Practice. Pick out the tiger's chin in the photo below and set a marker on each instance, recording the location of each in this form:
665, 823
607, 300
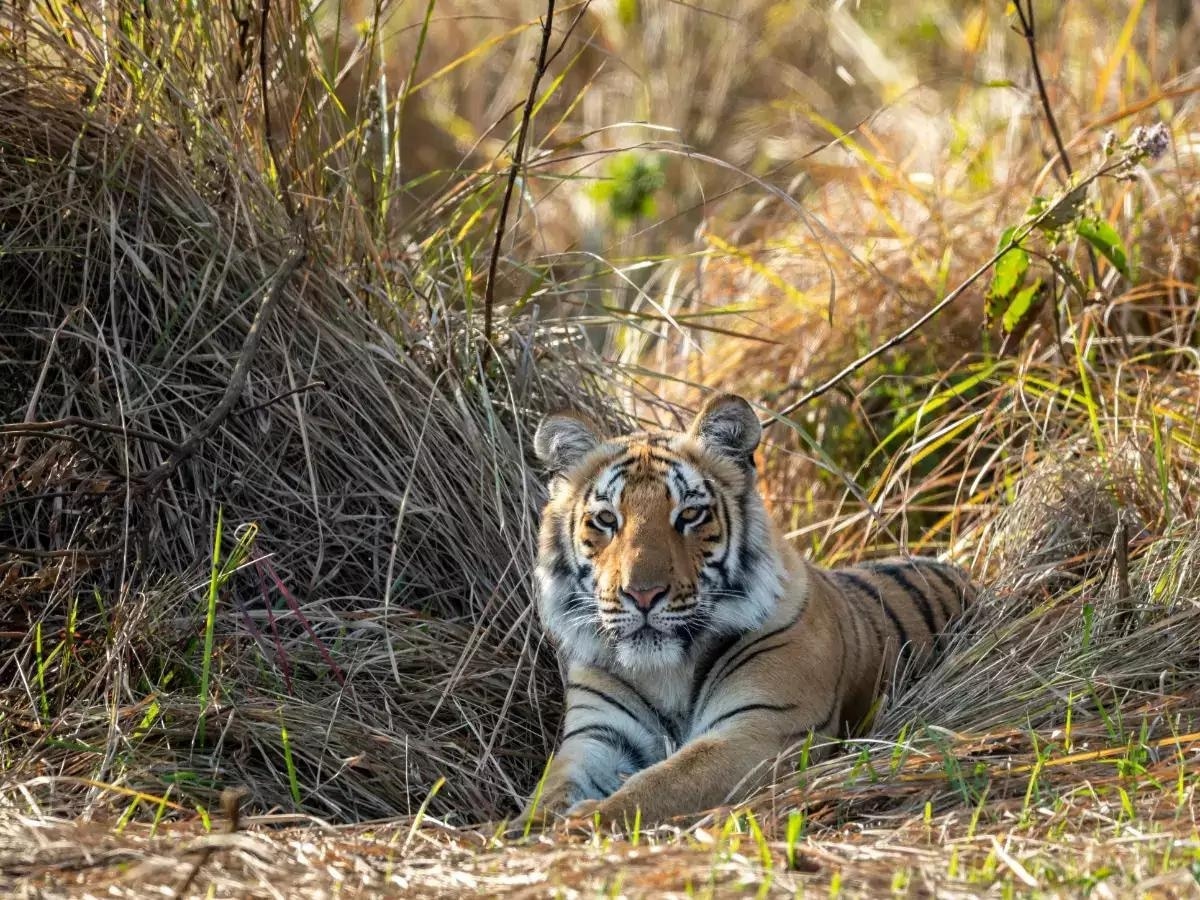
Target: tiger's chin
650, 650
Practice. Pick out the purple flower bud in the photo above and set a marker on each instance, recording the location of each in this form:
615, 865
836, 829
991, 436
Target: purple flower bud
1151, 142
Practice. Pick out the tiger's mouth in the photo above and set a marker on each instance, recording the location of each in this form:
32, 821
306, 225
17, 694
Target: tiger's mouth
651, 647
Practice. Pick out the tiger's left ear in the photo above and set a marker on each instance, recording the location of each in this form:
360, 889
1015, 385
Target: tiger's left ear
563, 439
727, 426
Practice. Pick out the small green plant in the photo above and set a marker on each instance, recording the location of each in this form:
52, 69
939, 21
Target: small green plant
220, 573
792, 833
1018, 291
629, 186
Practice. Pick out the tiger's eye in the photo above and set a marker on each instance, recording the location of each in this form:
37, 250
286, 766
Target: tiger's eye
691, 514
605, 519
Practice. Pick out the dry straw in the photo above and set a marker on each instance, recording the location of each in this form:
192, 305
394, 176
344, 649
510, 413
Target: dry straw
315, 586
376, 634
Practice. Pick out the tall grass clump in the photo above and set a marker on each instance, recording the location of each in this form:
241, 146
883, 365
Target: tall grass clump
264, 512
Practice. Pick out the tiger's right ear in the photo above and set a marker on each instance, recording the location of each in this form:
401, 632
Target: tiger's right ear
563, 439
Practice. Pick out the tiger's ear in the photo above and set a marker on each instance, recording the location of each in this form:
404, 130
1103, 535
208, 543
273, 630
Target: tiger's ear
563, 439
727, 426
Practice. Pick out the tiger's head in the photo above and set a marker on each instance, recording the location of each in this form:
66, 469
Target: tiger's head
654, 543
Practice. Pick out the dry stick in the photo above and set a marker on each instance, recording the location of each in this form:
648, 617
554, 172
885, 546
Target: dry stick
9, 550
241, 370
1018, 235
489, 290
285, 190
231, 804
79, 421
890, 342
304, 388
1028, 32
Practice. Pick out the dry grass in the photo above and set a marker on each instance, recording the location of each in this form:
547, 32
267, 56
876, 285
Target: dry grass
322, 599
1052, 751
369, 476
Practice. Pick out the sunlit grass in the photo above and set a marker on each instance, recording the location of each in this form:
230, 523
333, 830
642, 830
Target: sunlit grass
362, 647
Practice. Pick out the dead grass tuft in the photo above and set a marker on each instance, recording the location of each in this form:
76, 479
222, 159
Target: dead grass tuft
362, 626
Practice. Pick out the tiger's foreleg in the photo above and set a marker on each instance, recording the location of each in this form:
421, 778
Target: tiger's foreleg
586, 767
607, 736
702, 774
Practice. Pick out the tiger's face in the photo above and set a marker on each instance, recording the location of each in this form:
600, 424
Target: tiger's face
654, 543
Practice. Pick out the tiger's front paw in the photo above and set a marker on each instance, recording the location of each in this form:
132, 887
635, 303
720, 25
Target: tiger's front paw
545, 809
618, 810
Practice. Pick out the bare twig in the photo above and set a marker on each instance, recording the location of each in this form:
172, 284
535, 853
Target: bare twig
1028, 31
890, 342
1051, 210
489, 290
303, 389
9, 550
237, 381
54, 425
285, 191
231, 804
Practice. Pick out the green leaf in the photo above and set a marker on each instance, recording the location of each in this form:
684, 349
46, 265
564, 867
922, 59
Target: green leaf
1067, 274
1064, 209
1021, 307
1007, 274
1107, 242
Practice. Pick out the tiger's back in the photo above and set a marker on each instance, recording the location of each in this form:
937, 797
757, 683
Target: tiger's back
699, 644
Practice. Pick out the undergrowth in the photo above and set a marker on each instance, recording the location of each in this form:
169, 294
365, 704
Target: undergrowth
266, 521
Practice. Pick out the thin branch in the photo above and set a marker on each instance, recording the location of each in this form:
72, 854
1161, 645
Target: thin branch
304, 388
1051, 210
1027, 32
9, 550
892, 341
285, 190
26, 428
489, 290
241, 370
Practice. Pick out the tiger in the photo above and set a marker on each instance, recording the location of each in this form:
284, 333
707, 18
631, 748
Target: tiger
698, 645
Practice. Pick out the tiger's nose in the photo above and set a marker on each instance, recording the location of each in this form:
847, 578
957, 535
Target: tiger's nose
645, 598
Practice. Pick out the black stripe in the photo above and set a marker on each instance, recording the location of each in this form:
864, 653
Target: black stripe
596, 789
835, 704
734, 660
854, 591
675, 475
857, 625
612, 701
614, 471
745, 659
723, 514
749, 554
874, 593
587, 706
561, 564
664, 458
664, 723
710, 659
749, 707
920, 599
868, 592
615, 738
953, 585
